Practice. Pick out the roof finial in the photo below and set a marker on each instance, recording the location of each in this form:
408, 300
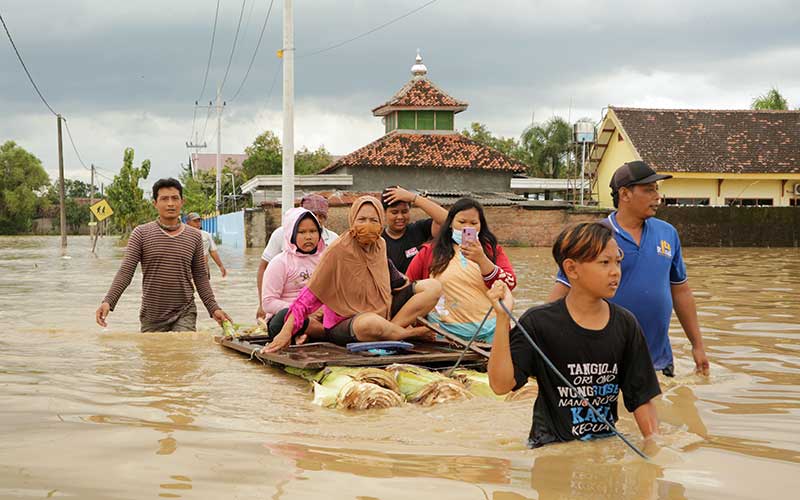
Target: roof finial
419, 70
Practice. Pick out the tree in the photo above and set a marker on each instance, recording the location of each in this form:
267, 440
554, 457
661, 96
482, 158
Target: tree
308, 162
771, 100
199, 191
74, 188
21, 177
264, 156
478, 132
548, 147
127, 198
77, 214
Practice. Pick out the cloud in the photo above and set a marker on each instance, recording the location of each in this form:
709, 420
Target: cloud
128, 73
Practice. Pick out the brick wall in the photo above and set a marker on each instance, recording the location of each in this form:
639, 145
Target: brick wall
517, 226
513, 226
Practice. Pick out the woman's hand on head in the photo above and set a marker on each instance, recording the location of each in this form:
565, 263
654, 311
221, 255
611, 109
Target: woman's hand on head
395, 194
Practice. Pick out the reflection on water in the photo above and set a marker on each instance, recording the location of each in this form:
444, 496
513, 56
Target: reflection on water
118, 414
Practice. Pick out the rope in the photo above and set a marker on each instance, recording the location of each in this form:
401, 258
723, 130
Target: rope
469, 344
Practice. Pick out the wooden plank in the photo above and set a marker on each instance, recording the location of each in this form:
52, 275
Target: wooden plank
454, 338
320, 354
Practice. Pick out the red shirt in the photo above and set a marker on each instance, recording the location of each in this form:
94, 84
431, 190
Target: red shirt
420, 267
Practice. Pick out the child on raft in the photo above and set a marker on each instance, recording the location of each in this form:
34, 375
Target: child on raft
597, 345
291, 270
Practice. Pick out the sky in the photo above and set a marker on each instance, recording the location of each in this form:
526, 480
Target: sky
127, 74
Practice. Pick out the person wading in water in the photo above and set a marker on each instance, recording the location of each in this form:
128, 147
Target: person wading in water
173, 265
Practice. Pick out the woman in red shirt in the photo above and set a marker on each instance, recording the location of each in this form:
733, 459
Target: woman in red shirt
467, 260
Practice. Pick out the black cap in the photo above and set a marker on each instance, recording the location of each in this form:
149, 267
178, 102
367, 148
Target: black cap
633, 173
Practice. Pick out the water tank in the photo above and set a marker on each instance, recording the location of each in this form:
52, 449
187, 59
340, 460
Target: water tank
584, 131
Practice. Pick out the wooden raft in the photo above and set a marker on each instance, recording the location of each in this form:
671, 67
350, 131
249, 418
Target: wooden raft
317, 355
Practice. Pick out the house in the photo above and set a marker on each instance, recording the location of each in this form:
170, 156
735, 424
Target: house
716, 157
205, 162
422, 149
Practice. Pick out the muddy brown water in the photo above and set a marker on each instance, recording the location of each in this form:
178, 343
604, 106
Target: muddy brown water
111, 414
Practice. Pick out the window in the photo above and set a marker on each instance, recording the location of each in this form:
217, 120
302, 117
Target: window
444, 120
687, 201
424, 120
794, 202
406, 120
749, 202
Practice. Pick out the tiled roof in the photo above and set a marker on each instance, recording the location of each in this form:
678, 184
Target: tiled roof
450, 151
719, 141
419, 93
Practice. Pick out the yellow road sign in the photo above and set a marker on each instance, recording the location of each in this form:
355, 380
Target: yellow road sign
101, 210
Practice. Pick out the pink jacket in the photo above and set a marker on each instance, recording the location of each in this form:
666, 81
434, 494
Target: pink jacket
290, 270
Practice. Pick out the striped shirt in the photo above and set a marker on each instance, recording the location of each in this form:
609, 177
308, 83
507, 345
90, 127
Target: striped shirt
169, 265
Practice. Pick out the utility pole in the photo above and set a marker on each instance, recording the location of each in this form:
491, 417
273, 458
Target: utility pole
233, 190
219, 106
92, 228
102, 195
61, 186
196, 146
287, 172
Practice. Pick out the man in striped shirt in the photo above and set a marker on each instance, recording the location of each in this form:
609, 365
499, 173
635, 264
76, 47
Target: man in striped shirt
173, 265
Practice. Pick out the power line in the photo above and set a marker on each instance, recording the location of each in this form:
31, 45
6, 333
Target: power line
274, 80
205, 125
71, 141
103, 176
25, 67
233, 48
373, 30
194, 118
210, 51
255, 52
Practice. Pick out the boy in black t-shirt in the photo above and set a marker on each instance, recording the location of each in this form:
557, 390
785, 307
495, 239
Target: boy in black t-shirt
598, 346
403, 239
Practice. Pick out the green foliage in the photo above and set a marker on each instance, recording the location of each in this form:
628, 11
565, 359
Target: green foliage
478, 132
77, 214
21, 177
127, 198
308, 162
198, 192
548, 146
544, 148
771, 100
74, 188
264, 156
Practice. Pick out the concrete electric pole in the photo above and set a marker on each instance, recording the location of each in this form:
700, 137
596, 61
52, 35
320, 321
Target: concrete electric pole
287, 172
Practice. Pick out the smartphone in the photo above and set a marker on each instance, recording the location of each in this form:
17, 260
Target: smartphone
469, 236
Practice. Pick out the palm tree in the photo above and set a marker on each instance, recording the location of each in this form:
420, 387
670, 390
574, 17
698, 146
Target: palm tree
771, 100
548, 147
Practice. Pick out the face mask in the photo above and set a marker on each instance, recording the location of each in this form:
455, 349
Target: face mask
367, 234
457, 239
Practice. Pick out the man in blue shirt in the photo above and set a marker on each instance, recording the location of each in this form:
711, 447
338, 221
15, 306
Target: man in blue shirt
653, 273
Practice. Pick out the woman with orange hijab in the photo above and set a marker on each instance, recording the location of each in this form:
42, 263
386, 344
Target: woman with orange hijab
365, 298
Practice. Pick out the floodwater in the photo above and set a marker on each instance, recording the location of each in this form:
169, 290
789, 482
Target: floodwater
109, 414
